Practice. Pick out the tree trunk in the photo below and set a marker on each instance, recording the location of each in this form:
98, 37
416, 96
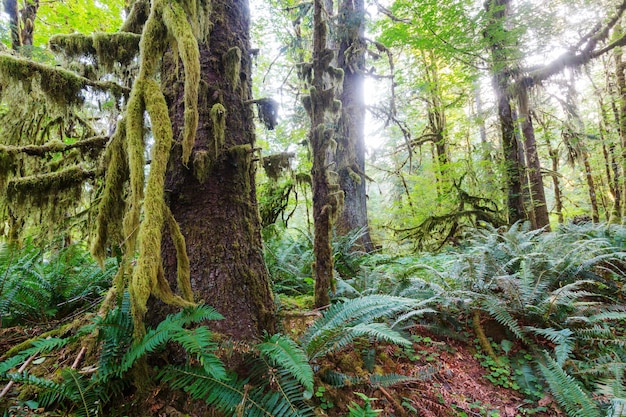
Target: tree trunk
326, 194
497, 9
214, 200
595, 216
350, 156
10, 8
554, 158
537, 193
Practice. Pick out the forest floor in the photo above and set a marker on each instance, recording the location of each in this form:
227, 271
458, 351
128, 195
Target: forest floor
449, 380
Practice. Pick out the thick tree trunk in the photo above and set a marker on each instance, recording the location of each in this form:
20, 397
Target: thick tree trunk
350, 156
537, 193
10, 8
497, 9
214, 200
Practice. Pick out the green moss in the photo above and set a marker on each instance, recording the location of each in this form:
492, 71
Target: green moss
202, 163
232, 66
61, 86
218, 117
183, 269
33, 188
112, 205
176, 21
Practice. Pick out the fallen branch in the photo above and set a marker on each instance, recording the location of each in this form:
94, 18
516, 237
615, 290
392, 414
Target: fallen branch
22, 369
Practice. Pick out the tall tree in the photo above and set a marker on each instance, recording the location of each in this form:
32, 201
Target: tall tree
350, 155
193, 83
502, 52
322, 107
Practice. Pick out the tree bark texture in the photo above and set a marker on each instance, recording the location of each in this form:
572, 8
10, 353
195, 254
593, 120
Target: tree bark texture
214, 199
513, 167
326, 194
533, 164
350, 156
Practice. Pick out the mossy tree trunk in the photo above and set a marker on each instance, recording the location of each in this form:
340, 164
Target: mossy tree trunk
321, 104
498, 43
21, 23
541, 218
350, 155
214, 198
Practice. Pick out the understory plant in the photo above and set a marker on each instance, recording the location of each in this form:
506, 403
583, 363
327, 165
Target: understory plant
42, 285
280, 371
558, 295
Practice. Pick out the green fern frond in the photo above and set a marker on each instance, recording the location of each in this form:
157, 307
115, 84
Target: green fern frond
389, 380
234, 397
498, 310
199, 342
340, 379
284, 352
332, 326
562, 338
567, 391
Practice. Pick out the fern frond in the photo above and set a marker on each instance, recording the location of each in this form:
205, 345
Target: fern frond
567, 391
498, 310
389, 380
339, 317
562, 338
199, 342
284, 352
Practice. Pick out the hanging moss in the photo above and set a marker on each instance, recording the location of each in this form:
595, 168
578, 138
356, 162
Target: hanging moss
112, 204
232, 66
268, 112
176, 21
7, 165
18, 189
275, 165
205, 25
147, 277
218, 117
183, 268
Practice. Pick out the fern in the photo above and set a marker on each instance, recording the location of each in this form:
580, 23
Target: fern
561, 338
236, 397
284, 352
567, 391
333, 329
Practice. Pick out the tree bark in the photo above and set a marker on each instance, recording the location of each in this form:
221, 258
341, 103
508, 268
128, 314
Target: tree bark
533, 164
497, 9
350, 136
10, 8
326, 194
214, 200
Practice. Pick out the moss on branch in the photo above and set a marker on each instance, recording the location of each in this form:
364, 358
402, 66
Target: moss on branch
64, 88
106, 48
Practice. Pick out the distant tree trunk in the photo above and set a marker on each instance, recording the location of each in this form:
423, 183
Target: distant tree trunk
28, 14
350, 156
533, 164
437, 120
10, 8
214, 200
595, 216
554, 158
620, 76
497, 10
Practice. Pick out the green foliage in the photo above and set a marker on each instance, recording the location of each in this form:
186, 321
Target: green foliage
345, 321
40, 286
567, 391
356, 410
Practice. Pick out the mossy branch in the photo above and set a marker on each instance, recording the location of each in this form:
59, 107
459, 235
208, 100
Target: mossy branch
71, 177
107, 48
64, 88
96, 142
